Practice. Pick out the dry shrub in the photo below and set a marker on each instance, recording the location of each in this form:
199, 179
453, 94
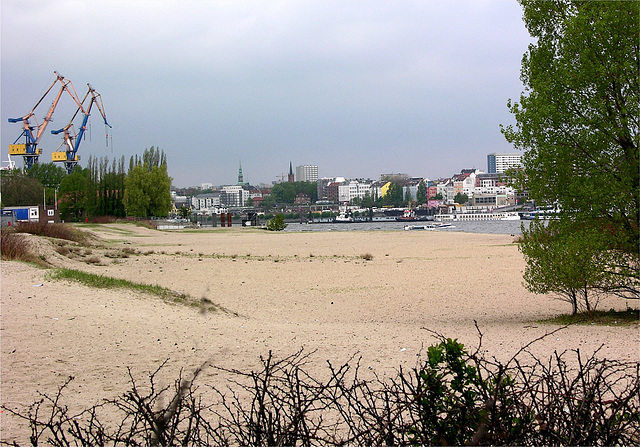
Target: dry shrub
15, 247
103, 219
93, 260
454, 398
367, 256
63, 250
53, 230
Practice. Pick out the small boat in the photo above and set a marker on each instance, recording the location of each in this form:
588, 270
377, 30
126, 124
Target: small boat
407, 216
345, 216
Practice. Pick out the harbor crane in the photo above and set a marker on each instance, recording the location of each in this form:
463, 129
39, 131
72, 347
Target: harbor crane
29, 150
71, 140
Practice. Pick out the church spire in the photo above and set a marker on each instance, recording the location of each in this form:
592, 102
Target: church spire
240, 177
291, 177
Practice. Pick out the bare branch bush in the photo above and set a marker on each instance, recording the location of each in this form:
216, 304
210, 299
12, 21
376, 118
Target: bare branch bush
450, 397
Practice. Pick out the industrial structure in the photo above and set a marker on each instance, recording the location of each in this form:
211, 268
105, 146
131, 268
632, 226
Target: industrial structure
32, 132
72, 142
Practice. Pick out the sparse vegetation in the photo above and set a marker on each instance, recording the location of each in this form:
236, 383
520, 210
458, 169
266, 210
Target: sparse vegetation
106, 282
14, 247
53, 230
452, 398
603, 318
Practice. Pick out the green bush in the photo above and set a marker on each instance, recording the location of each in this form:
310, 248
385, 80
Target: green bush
276, 223
458, 402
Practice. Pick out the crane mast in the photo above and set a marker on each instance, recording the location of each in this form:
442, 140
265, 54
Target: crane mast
29, 150
72, 141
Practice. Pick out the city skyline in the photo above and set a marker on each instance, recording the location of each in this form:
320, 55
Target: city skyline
355, 87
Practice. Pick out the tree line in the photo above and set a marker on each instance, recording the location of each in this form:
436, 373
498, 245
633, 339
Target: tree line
104, 188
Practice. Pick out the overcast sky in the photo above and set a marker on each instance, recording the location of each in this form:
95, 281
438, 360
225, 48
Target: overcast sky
357, 87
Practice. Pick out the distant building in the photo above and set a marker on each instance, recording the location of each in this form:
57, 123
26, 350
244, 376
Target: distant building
352, 189
206, 201
499, 163
234, 195
307, 173
323, 184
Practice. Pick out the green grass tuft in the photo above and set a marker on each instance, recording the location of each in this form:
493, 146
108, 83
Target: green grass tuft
107, 282
600, 317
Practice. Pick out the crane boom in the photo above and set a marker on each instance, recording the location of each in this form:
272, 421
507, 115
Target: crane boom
70, 157
29, 150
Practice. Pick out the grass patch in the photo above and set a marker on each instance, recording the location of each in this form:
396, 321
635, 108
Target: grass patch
600, 317
107, 282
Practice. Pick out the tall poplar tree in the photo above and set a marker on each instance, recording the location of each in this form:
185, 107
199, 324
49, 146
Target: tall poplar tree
577, 123
148, 185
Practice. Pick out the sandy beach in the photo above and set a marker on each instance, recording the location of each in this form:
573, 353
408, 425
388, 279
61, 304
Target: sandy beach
281, 292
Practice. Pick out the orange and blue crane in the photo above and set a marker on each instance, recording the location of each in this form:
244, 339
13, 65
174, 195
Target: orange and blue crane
29, 150
72, 142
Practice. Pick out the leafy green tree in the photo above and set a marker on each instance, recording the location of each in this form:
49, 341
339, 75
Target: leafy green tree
137, 200
148, 186
408, 198
268, 202
20, 189
73, 195
567, 262
184, 212
48, 174
461, 198
421, 194
393, 197
577, 122
286, 192
106, 187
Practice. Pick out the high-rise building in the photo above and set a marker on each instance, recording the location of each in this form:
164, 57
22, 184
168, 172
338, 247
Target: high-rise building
307, 173
499, 163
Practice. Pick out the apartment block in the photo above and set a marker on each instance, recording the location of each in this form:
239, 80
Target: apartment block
499, 163
307, 173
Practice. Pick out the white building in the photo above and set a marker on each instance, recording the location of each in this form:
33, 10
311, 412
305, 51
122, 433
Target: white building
203, 202
234, 195
349, 190
499, 163
307, 173
446, 190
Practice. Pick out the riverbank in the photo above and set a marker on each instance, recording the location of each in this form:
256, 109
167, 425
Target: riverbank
370, 294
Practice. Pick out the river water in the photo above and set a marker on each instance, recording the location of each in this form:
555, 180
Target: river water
487, 226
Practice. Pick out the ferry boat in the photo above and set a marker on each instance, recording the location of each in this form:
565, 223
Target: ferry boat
471, 217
